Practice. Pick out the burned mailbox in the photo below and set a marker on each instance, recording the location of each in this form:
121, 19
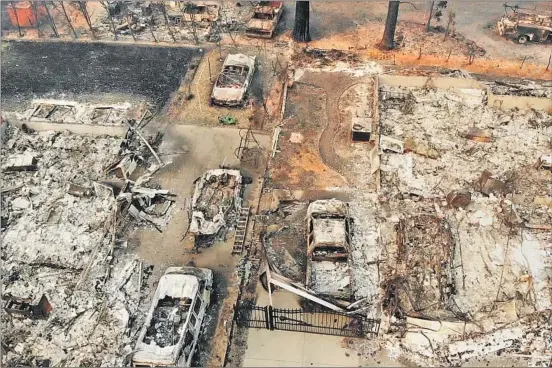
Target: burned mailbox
23, 307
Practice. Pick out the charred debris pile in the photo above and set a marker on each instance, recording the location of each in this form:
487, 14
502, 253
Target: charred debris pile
68, 279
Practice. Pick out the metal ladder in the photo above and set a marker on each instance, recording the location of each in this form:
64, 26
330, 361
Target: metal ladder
241, 231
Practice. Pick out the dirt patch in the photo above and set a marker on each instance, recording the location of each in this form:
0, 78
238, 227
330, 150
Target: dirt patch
300, 166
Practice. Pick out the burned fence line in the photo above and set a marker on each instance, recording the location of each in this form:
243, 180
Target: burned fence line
323, 322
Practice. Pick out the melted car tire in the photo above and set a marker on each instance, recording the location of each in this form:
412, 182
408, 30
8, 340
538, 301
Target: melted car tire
523, 39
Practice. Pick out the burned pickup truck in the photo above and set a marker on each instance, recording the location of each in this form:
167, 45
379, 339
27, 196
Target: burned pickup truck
328, 248
232, 84
525, 27
265, 19
173, 324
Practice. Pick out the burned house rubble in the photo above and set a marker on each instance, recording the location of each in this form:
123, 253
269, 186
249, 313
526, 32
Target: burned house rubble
64, 219
72, 112
465, 224
168, 21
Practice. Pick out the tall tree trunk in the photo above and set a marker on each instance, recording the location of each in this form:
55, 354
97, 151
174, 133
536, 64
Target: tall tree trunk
390, 24
428, 24
68, 19
301, 31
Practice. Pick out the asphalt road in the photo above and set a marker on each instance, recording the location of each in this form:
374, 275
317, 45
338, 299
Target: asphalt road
84, 71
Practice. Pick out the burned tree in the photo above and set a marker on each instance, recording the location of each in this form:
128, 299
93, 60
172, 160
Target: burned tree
84, 11
105, 4
167, 23
35, 12
68, 19
301, 31
388, 41
16, 19
435, 12
51, 19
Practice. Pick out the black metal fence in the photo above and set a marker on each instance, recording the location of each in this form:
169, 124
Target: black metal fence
318, 322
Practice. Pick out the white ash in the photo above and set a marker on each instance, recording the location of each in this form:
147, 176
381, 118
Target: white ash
56, 247
439, 119
365, 248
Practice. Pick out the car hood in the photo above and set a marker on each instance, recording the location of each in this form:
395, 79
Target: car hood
228, 94
265, 25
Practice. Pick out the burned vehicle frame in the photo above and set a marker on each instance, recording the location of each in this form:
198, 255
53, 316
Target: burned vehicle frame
173, 324
232, 85
525, 27
328, 248
265, 19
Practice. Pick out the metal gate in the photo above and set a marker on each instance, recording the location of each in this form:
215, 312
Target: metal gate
318, 322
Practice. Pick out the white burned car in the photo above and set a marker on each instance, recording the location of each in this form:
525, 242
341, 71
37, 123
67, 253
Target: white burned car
170, 333
328, 248
234, 80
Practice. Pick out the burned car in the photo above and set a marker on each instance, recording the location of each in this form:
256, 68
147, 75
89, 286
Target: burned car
232, 84
173, 324
524, 27
201, 12
265, 19
328, 248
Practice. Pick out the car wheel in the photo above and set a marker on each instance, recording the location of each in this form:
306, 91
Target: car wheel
523, 39
211, 101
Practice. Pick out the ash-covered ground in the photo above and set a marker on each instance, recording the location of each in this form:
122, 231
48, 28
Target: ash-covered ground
88, 71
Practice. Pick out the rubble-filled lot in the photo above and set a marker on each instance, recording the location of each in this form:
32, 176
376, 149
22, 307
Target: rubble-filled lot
442, 133
63, 224
476, 170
